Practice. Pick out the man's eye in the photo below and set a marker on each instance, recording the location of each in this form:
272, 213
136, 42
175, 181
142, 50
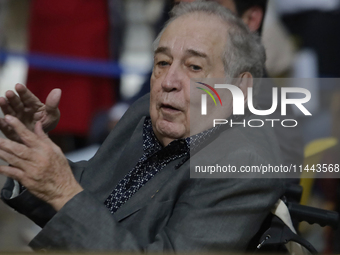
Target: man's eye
162, 63
196, 68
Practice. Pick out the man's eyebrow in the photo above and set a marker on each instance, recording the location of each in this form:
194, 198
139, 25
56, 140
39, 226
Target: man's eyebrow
164, 50
197, 53
191, 52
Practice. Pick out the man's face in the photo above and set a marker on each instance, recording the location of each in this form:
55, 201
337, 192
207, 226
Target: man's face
191, 47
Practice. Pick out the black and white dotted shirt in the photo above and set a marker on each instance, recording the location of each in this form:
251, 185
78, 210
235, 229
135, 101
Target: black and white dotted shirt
153, 160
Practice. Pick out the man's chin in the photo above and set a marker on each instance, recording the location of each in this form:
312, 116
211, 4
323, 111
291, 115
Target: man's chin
166, 130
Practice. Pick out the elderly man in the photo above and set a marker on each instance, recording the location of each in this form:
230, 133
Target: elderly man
136, 193
252, 13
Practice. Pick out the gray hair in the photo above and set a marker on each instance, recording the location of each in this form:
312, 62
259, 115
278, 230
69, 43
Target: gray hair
243, 52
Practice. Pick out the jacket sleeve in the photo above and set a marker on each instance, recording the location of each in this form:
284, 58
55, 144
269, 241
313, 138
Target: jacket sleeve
35, 209
39, 211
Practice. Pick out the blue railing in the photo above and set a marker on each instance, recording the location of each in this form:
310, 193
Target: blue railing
74, 65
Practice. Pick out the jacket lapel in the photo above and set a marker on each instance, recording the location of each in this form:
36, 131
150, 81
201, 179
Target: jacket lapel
148, 192
130, 156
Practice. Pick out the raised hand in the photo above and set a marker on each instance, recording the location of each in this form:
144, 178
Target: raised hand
38, 164
29, 109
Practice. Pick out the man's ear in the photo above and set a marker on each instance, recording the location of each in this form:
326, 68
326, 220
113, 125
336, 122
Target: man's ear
245, 81
253, 18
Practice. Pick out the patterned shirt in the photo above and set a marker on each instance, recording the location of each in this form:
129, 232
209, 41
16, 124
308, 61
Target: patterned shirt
153, 160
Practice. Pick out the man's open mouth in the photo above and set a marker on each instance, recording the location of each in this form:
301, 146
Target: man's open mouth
168, 107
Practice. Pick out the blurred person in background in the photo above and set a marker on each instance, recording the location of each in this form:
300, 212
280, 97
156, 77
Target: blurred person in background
75, 29
314, 26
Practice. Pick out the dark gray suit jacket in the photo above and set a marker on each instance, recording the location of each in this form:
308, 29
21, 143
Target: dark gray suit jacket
172, 212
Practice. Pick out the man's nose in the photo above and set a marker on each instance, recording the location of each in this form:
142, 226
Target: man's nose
174, 78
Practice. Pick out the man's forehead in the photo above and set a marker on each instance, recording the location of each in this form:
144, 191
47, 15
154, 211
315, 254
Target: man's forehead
195, 31
229, 4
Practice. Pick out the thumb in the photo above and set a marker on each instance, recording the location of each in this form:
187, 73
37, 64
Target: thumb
38, 130
52, 100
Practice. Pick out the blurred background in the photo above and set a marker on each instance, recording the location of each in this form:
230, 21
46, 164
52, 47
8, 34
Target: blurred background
99, 52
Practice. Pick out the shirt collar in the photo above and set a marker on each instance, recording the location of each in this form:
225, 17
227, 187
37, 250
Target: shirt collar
151, 144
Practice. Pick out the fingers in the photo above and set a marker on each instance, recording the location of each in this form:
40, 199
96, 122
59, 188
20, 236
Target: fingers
5, 107
12, 172
38, 130
14, 148
52, 100
8, 130
5, 127
13, 160
15, 102
29, 109
15, 105
28, 137
27, 97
